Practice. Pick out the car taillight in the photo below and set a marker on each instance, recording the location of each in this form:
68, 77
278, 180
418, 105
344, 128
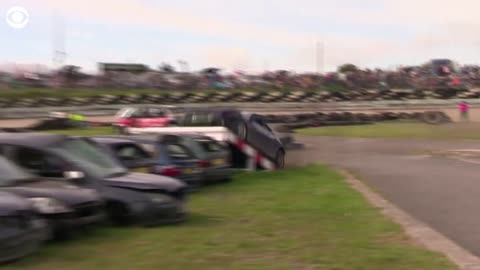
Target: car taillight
168, 171
204, 163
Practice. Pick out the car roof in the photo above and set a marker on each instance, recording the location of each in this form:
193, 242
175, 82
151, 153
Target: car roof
105, 140
213, 110
33, 140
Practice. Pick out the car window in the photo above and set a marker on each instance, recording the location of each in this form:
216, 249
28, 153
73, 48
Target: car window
11, 173
154, 112
139, 113
125, 112
210, 146
200, 118
28, 158
259, 123
177, 151
130, 152
90, 156
37, 162
264, 125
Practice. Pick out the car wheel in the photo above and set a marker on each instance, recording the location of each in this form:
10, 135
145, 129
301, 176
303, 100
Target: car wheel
118, 213
280, 159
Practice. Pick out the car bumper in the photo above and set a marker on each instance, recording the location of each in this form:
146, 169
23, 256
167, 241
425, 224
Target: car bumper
193, 180
217, 174
21, 242
64, 222
163, 214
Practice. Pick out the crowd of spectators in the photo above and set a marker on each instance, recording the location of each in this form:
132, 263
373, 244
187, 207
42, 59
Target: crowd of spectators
436, 74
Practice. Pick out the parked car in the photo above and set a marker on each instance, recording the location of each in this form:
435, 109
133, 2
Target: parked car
214, 157
138, 198
248, 126
63, 205
143, 117
162, 155
22, 231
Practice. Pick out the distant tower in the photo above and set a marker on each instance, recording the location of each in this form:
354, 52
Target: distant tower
58, 40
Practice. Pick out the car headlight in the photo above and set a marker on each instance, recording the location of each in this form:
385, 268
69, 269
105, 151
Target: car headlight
49, 206
160, 198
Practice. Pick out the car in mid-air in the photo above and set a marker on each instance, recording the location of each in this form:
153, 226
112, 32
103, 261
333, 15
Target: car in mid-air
250, 127
22, 231
130, 198
63, 205
143, 117
162, 155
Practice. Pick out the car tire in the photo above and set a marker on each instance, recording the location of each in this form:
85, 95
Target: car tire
118, 213
280, 159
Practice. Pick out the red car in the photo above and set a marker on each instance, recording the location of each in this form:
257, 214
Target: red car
144, 117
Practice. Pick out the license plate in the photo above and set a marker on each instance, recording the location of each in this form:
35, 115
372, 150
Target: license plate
141, 170
218, 162
188, 171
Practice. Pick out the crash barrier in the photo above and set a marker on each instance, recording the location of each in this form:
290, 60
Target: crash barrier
243, 154
242, 97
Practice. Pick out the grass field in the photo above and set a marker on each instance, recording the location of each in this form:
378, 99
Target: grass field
305, 218
85, 131
454, 131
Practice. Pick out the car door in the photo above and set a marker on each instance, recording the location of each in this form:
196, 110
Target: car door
133, 156
262, 137
142, 117
158, 117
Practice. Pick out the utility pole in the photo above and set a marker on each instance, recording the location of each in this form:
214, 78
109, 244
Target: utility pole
320, 56
58, 40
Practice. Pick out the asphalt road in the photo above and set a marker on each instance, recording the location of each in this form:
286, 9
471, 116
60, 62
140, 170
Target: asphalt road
439, 190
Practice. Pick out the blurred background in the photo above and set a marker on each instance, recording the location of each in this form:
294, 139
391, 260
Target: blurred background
193, 45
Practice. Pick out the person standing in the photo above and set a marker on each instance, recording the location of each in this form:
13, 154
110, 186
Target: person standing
464, 109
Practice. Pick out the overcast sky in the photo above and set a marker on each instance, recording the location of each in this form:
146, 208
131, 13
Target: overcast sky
250, 35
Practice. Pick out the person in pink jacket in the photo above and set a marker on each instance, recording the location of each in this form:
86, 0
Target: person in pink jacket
464, 108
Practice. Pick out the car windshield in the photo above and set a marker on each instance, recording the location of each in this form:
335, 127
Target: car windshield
210, 146
11, 173
92, 159
125, 112
194, 147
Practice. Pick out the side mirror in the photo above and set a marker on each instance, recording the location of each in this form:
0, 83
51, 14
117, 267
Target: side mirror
73, 175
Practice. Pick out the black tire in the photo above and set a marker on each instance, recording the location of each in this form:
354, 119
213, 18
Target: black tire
118, 213
280, 159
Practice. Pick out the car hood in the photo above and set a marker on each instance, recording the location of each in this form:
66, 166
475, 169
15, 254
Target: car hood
66, 193
11, 204
144, 181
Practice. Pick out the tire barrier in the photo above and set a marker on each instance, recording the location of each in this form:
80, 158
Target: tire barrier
283, 123
435, 118
349, 118
240, 97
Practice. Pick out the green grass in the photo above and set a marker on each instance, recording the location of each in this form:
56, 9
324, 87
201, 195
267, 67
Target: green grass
86, 131
305, 218
456, 131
